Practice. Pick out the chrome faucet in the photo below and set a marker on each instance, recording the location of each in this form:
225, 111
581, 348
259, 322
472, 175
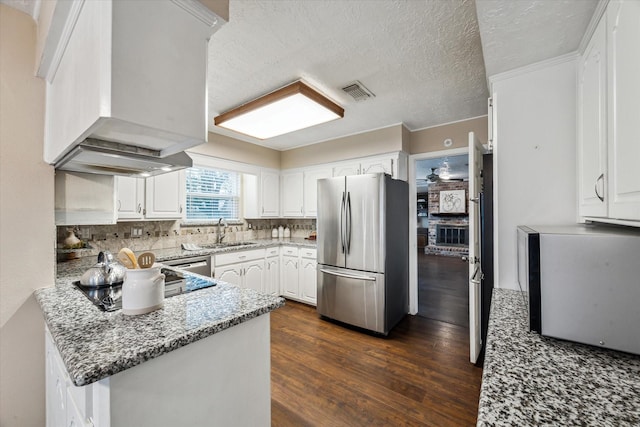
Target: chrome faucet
221, 235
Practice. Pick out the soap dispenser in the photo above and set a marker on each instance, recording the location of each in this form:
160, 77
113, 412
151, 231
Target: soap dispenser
274, 233
280, 232
287, 232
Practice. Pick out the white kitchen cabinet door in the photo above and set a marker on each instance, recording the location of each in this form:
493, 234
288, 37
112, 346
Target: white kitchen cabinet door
289, 276
56, 388
623, 30
253, 275
308, 280
292, 194
165, 196
272, 276
592, 126
377, 166
270, 194
347, 169
231, 273
130, 198
311, 190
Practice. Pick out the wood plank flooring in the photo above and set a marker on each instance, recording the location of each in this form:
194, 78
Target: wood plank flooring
324, 374
443, 289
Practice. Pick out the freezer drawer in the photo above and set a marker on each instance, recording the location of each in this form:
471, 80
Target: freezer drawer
353, 297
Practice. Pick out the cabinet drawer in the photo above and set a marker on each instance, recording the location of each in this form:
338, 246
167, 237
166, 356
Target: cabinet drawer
308, 253
289, 250
238, 257
272, 252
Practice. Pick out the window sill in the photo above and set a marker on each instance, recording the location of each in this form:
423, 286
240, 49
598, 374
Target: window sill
208, 223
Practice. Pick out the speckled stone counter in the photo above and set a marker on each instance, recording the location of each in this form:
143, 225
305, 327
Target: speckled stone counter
530, 380
96, 344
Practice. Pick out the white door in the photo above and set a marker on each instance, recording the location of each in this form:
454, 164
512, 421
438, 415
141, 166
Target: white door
165, 195
130, 197
308, 280
623, 25
292, 194
270, 193
289, 277
311, 190
230, 273
377, 166
253, 275
475, 270
592, 126
347, 170
272, 276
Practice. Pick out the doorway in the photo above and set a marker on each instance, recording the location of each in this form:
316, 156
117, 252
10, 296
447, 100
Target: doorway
442, 237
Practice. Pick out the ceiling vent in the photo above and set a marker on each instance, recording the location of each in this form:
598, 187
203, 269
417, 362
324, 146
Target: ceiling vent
358, 91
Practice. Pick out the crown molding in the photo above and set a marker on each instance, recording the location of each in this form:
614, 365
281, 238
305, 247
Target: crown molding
601, 7
199, 11
571, 56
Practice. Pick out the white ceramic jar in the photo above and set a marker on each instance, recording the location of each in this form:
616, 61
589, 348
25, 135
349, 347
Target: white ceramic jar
142, 291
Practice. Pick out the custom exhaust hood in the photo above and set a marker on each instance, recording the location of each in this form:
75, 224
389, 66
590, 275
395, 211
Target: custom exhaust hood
112, 158
126, 85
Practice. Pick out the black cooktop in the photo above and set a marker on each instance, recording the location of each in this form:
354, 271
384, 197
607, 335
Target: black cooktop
109, 298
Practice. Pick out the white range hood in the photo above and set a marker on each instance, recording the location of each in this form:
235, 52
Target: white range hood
128, 72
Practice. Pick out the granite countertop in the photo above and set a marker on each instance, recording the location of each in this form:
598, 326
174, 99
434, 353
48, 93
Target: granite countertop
96, 344
531, 380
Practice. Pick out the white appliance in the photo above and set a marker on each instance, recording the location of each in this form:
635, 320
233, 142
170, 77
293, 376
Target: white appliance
582, 283
363, 236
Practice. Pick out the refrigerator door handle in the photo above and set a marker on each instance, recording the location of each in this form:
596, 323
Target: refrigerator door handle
348, 276
342, 225
348, 221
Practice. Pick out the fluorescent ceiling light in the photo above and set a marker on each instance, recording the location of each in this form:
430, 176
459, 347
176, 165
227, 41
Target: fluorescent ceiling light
291, 108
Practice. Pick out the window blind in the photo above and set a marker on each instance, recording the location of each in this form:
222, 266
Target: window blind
212, 194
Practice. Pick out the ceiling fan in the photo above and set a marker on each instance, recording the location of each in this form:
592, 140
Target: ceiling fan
434, 177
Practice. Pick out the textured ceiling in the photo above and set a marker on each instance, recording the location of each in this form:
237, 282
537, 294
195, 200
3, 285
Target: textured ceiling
516, 33
27, 6
422, 60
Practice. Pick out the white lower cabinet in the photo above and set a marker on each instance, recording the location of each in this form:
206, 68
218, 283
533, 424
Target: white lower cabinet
299, 277
244, 268
272, 273
289, 272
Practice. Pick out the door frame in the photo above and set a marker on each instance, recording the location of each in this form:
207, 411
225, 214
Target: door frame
413, 221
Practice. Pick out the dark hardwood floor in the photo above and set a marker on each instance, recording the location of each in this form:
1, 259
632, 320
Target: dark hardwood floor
324, 374
443, 289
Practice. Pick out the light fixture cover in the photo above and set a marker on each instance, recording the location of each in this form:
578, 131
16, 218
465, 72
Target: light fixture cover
293, 107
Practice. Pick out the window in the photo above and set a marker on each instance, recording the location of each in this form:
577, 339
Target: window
212, 194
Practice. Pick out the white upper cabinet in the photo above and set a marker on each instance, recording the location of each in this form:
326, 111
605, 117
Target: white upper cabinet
310, 191
128, 71
130, 203
165, 196
292, 194
394, 164
592, 125
623, 39
608, 115
377, 166
270, 194
346, 169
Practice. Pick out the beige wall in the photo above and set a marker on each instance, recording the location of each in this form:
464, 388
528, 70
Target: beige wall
228, 148
377, 141
431, 139
27, 231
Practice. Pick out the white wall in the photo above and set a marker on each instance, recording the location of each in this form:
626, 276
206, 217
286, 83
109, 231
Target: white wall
534, 155
27, 231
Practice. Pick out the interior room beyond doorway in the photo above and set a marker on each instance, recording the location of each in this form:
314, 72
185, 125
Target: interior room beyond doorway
443, 238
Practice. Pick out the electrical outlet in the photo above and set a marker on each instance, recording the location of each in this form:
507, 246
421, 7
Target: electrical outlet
85, 233
136, 232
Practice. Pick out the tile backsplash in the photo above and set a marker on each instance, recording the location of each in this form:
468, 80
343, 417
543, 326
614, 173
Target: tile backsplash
171, 234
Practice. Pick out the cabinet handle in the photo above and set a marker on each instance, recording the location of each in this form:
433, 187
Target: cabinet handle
601, 177
139, 208
180, 208
144, 211
119, 205
263, 209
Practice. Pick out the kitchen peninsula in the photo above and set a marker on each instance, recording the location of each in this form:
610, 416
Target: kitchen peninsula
196, 361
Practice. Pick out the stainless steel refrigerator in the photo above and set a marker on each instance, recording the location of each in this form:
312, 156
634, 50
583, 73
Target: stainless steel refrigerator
363, 250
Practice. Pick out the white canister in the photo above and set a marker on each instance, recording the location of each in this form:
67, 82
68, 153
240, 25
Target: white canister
280, 232
142, 291
287, 232
274, 233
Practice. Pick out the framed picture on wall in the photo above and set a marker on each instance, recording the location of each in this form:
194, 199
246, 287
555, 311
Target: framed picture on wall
452, 201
